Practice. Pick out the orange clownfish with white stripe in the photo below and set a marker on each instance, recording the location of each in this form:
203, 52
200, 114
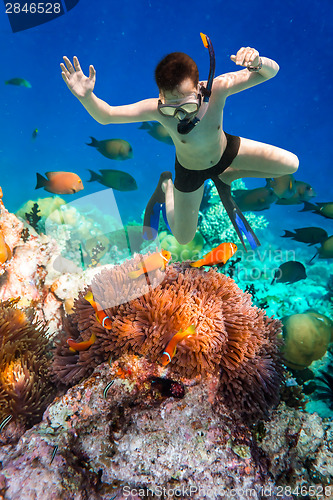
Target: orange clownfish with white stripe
157, 260
101, 316
170, 349
219, 255
81, 346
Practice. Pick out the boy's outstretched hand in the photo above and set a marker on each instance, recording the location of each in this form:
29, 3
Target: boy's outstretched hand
79, 84
246, 56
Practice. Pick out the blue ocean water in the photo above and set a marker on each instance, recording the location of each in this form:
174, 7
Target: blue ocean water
124, 41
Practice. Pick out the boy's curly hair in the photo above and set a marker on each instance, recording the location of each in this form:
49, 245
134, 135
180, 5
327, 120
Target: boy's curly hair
173, 69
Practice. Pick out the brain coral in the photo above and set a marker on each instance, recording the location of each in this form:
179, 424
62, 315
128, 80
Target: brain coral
306, 338
233, 338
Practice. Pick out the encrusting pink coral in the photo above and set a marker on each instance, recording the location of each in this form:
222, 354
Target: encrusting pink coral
232, 337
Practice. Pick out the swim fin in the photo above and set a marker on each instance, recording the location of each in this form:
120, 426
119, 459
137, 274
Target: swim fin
235, 215
155, 205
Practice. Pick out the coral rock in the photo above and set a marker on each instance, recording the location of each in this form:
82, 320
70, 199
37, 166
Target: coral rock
306, 338
232, 337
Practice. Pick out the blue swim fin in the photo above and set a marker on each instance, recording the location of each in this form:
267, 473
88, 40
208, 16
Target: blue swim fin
165, 217
155, 205
235, 214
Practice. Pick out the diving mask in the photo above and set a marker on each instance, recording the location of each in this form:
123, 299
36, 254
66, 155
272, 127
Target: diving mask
185, 108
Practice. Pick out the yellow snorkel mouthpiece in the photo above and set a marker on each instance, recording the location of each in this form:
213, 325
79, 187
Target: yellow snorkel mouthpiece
204, 40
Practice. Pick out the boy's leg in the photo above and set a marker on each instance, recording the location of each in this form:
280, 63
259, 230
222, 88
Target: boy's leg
182, 211
257, 159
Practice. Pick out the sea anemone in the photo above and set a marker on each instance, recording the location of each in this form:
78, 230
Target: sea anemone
25, 388
232, 337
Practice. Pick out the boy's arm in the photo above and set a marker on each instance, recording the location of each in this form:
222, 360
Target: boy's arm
258, 70
104, 113
82, 87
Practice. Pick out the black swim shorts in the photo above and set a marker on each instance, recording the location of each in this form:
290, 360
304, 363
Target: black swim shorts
187, 180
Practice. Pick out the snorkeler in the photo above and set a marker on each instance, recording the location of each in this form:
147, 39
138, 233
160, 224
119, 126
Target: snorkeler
192, 113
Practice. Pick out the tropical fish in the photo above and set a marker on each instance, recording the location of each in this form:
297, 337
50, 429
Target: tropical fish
289, 272
106, 388
309, 235
254, 200
157, 131
34, 133
303, 192
283, 187
219, 255
5, 421
170, 349
55, 449
157, 260
115, 179
101, 316
60, 182
19, 82
5, 251
324, 209
326, 249
114, 149
81, 346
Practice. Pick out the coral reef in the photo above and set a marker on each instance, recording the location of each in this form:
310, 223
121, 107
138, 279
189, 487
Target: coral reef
132, 441
25, 388
214, 223
31, 275
324, 384
33, 216
306, 338
180, 253
232, 337
45, 208
133, 425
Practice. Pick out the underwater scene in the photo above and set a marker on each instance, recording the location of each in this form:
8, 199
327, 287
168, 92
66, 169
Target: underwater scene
166, 250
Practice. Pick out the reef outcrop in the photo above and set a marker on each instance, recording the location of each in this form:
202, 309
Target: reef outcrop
233, 339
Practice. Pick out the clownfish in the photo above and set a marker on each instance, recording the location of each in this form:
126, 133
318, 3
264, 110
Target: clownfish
157, 260
5, 251
81, 346
219, 255
102, 318
170, 349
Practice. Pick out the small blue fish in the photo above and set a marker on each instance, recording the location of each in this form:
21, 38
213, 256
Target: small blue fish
107, 387
19, 82
5, 422
55, 449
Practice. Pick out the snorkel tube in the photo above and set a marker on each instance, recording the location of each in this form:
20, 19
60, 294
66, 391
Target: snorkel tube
185, 126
